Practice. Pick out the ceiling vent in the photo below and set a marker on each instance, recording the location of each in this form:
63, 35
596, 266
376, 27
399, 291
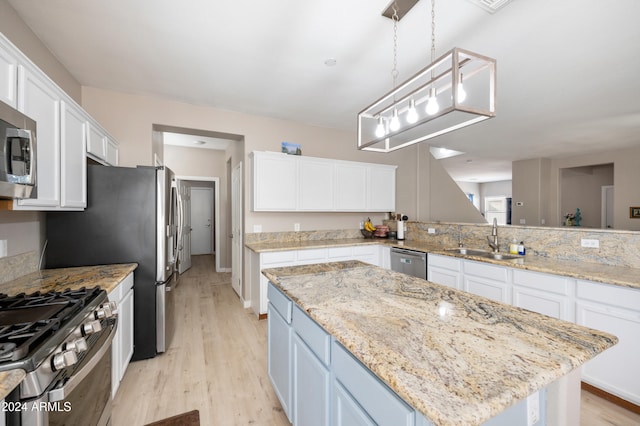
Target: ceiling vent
491, 6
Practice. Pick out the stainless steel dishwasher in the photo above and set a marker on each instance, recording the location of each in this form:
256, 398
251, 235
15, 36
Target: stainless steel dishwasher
409, 262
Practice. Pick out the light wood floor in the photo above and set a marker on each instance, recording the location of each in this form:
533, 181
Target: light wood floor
217, 361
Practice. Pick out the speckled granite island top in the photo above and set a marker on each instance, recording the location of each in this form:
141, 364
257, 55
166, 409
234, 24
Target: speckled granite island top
457, 358
104, 276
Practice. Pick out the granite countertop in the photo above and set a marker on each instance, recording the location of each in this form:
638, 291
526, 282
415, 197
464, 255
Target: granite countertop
457, 358
104, 276
616, 275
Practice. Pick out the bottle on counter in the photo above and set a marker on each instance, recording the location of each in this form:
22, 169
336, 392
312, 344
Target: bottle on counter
513, 247
521, 249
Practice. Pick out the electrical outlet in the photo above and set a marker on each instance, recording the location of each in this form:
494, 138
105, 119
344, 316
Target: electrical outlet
586, 242
523, 221
257, 228
296, 227
3, 248
431, 230
533, 409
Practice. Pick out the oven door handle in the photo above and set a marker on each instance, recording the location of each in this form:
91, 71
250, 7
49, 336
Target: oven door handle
61, 393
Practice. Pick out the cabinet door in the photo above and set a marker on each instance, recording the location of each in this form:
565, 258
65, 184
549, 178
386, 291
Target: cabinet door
279, 357
112, 152
381, 189
126, 323
346, 411
310, 387
96, 142
39, 99
316, 184
275, 182
487, 280
543, 293
73, 182
444, 277
351, 187
8, 74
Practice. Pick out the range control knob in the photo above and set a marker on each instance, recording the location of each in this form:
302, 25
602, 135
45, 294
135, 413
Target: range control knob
63, 359
106, 310
91, 327
77, 345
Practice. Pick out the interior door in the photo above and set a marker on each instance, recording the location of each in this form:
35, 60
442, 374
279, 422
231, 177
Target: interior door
184, 189
236, 229
201, 220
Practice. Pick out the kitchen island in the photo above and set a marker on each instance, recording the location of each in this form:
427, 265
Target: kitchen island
455, 358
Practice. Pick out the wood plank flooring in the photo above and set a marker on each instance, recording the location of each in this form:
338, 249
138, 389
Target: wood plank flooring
216, 364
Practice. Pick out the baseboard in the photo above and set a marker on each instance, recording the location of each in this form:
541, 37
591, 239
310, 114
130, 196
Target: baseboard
611, 398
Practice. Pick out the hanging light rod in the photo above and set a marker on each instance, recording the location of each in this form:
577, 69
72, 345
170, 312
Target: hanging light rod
404, 6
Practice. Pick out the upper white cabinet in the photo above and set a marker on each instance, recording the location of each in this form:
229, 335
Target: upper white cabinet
8, 75
284, 182
73, 178
63, 133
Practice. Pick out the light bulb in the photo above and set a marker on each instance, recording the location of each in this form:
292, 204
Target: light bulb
380, 131
395, 121
462, 95
432, 103
412, 114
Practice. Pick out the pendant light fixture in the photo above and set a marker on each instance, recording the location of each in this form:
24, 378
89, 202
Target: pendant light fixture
434, 101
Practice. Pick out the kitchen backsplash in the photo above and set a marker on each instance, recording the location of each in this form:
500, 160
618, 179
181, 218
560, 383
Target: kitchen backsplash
13, 267
617, 248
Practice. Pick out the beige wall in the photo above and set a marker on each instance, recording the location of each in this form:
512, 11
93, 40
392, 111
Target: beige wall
530, 186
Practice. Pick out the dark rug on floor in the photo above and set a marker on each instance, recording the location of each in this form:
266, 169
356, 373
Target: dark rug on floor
192, 418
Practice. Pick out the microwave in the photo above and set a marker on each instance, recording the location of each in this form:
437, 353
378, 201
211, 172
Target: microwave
18, 150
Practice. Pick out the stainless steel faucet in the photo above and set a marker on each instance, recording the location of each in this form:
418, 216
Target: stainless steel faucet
494, 233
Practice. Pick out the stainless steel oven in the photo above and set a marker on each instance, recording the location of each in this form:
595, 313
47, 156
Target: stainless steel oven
67, 359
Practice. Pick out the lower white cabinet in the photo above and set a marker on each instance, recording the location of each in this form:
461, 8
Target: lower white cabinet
122, 346
369, 253
444, 270
543, 293
615, 310
487, 280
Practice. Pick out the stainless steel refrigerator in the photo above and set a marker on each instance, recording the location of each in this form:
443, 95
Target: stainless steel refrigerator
131, 216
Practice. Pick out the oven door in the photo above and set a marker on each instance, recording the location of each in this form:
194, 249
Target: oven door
84, 399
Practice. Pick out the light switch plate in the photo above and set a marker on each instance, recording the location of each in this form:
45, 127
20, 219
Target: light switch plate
431, 230
296, 227
592, 243
257, 228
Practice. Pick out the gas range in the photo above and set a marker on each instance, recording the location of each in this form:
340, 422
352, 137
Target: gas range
57, 338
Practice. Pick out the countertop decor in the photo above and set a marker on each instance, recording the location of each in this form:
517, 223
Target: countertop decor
455, 357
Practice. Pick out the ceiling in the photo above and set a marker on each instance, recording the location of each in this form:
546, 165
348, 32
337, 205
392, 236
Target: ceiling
567, 70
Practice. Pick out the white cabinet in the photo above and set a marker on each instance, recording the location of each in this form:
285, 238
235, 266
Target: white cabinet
73, 178
122, 346
487, 280
275, 182
543, 293
615, 310
39, 99
444, 270
284, 182
351, 187
96, 143
370, 253
8, 74
112, 152
316, 184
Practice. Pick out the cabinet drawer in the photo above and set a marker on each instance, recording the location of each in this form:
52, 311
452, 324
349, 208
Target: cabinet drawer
496, 273
278, 257
380, 402
543, 282
280, 302
365, 250
609, 294
445, 262
340, 252
312, 255
318, 340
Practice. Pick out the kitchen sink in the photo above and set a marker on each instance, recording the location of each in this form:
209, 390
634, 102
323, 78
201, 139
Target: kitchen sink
487, 254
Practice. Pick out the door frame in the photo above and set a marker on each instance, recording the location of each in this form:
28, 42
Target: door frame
216, 213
